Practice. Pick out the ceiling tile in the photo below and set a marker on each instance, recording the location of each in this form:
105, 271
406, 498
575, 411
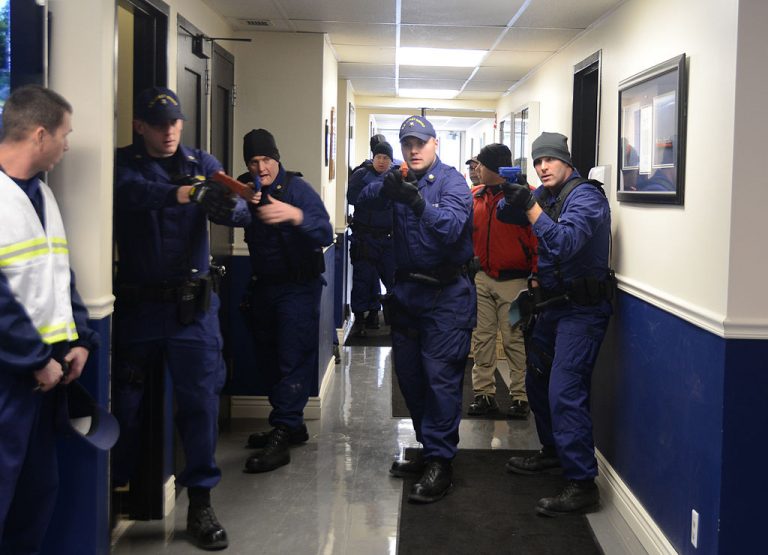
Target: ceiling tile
374, 87
346, 10
370, 34
457, 12
515, 59
497, 85
442, 36
411, 83
426, 72
552, 13
518, 38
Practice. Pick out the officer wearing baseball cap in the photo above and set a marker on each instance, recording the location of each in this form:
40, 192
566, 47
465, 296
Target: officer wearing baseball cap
166, 310
572, 220
432, 306
156, 105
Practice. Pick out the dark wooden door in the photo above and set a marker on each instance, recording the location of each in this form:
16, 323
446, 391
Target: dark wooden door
192, 83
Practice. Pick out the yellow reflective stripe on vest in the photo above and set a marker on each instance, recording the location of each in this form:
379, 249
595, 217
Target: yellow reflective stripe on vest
58, 332
32, 248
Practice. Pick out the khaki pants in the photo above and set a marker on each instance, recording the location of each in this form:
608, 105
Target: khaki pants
493, 300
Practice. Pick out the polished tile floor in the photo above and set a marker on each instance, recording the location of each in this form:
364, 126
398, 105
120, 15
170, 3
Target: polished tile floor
336, 497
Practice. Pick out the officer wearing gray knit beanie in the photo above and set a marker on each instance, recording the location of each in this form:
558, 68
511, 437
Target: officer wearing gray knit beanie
552, 145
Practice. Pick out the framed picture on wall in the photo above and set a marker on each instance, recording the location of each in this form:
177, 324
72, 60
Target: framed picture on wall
652, 122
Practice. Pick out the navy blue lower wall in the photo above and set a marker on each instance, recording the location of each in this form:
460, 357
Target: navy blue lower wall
80, 523
744, 511
658, 411
245, 377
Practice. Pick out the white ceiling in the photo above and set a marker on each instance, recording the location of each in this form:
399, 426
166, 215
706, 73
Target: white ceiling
518, 34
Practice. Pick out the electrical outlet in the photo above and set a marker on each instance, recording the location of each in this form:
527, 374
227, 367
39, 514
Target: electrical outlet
694, 528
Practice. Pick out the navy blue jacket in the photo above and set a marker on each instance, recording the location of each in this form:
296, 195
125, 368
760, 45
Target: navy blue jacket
578, 242
379, 219
442, 236
158, 239
284, 248
21, 348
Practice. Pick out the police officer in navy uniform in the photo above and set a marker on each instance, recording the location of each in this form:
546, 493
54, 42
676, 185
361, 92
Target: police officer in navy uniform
166, 313
371, 249
43, 321
287, 230
575, 284
433, 305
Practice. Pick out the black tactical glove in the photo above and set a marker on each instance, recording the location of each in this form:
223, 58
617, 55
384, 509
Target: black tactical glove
405, 191
518, 196
214, 198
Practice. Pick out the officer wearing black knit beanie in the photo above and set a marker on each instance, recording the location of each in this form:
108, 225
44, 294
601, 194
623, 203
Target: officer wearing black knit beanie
259, 142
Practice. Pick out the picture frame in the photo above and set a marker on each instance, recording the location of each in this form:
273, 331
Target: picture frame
327, 143
652, 126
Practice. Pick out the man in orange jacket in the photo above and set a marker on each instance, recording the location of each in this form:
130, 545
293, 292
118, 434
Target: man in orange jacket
507, 255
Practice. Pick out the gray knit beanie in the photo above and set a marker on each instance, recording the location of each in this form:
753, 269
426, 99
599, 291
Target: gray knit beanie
552, 145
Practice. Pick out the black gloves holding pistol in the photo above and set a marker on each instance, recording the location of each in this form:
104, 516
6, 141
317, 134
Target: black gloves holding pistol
401, 185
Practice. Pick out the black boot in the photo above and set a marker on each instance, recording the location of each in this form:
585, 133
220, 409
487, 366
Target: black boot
408, 468
435, 482
274, 455
518, 410
545, 460
358, 328
483, 405
578, 497
372, 320
259, 440
202, 525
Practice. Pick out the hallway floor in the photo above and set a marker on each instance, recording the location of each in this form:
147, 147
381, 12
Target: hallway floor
336, 496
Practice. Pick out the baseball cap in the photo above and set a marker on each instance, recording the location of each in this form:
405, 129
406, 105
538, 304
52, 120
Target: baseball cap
157, 105
81, 416
419, 127
472, 160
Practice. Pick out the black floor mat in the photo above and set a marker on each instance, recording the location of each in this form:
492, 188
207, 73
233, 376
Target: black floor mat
399, 410
491, 511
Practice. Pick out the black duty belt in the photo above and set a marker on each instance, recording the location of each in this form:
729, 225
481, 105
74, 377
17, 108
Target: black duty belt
163, 292
582, 291
506, 275
438, 277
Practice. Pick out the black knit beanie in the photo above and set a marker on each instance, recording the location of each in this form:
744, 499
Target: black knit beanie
383, 148
495, 156
376, 139
259, 142
552, 145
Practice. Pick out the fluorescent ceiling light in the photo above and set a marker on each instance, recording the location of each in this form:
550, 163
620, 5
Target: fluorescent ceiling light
442, 57
427, 93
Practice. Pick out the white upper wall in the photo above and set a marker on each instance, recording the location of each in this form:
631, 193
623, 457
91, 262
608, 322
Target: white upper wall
747, 299
676, 257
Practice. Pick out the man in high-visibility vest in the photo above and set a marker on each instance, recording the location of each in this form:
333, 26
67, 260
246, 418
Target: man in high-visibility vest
43, 322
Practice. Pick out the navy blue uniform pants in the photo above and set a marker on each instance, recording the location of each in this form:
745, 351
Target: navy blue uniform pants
569, 339
29, 475
192, 355
372, 260
286, 328
431, 332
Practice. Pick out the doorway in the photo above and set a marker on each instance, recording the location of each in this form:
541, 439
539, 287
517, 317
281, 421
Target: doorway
586, 114
142, 40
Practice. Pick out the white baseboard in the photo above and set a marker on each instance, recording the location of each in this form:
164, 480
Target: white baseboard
616, 497
169, 495
257, 406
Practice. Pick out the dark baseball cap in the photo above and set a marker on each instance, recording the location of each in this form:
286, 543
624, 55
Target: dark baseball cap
82, 417
417, 126
157, 105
